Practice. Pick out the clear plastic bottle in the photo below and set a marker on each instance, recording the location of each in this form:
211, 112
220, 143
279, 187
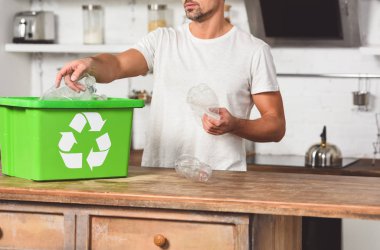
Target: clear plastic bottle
156, 16
203, 100
66, 93
191, 168
93, 24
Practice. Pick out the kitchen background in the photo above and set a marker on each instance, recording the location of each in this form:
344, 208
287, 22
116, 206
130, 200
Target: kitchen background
310, 102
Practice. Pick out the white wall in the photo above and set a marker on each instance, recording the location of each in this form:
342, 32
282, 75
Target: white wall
311, 103
14, 68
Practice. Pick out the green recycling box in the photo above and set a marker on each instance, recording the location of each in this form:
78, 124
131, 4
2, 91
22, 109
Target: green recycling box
61, 140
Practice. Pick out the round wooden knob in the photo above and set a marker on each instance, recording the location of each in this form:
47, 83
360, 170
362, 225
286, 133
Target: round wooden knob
159, 240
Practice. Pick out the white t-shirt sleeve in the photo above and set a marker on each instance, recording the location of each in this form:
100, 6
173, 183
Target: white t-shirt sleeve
263, 71
148, 45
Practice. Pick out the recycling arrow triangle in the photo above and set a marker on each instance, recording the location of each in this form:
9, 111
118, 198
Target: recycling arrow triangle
68, 140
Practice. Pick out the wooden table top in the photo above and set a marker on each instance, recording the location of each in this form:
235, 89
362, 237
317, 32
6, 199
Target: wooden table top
240, 192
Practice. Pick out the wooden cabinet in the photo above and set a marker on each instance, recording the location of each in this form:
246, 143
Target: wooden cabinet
23, 230
139, 229
250, 210
25, 226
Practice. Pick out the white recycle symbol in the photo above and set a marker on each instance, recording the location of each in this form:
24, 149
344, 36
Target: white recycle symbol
94, 159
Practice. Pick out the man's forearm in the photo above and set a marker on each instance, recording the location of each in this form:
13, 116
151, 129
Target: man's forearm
104, 67
108, 67
264, 129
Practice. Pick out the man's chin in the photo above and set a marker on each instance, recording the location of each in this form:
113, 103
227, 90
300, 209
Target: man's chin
192, 17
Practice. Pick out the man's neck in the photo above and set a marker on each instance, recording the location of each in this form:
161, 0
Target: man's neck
212, 28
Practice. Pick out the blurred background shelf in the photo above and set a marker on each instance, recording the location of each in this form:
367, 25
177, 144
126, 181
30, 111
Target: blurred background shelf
66, 48
110, 48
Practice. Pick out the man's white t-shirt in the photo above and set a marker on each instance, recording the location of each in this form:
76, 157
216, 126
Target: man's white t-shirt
235, 66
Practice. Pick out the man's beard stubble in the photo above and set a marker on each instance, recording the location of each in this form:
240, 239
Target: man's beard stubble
197, 14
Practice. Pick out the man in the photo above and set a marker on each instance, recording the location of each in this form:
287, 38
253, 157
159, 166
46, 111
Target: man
235, 65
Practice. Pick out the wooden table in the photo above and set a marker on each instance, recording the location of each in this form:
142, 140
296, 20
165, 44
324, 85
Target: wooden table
154, 208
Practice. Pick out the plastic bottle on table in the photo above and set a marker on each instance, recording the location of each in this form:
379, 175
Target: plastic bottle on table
191, 168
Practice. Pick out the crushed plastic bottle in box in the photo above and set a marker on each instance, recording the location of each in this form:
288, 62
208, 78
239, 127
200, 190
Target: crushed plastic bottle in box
66, 93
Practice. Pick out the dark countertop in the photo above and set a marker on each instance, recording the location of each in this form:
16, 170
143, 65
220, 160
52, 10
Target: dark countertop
362, 167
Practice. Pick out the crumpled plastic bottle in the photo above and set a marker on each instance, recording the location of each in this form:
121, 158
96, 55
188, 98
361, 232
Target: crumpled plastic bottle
203, 100
66, 93
193, 169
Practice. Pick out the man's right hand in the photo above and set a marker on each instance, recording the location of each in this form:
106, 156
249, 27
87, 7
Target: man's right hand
72, 72
104, 67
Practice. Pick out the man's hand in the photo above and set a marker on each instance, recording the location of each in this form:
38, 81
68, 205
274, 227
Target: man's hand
72, 72
104, 67
226, 124
270, 127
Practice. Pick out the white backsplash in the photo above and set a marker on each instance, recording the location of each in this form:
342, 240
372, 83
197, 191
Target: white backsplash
310, 103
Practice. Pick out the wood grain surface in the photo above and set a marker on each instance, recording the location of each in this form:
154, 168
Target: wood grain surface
109, 232
277, 233
241, 192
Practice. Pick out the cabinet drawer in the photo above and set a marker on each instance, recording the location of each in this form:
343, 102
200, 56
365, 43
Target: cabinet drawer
144, 233
20, 230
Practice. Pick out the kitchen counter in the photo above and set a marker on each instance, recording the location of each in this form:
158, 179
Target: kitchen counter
260, 210
240, 192
362, 167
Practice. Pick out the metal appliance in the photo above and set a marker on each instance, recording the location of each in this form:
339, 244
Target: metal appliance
298, 23
322, 155
34, 27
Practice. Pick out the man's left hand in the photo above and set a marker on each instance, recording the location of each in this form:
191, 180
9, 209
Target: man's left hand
226, 124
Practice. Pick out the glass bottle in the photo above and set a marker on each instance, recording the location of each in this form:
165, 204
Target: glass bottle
93, 24
156, 16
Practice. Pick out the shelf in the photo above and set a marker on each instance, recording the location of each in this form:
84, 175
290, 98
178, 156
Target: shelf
108, 48
370, 50
66, 48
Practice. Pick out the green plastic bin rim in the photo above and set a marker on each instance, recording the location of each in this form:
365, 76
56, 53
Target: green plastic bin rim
35, 102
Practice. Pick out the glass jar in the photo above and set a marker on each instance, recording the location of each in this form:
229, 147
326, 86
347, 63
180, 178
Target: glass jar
156, 16
93, 24
227, 12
